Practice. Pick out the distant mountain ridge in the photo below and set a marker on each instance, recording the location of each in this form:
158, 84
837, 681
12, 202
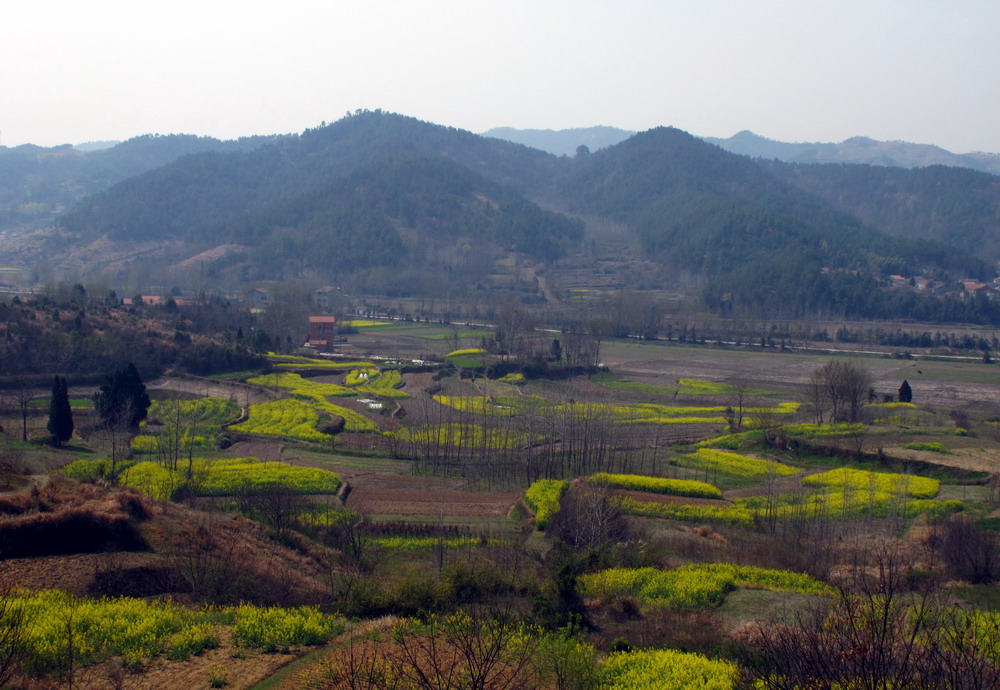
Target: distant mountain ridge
898, 154
863, 150
387, 204
562, 142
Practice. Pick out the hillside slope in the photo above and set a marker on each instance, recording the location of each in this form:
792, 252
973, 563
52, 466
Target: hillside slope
389, 204
39, 183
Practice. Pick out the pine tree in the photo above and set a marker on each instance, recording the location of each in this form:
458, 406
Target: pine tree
123, 401
60, 413
905, 393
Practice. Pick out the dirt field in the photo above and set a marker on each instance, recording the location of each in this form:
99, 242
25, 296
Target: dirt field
944, 384
974, 459
242, 394
70, 573
377, 500
265, 450
649, 497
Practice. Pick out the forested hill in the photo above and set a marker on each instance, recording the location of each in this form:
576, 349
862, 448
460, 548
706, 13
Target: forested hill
396, 205
209, 191
954, 205
423, 216
371, 191
39, 183
700, 207
759, 240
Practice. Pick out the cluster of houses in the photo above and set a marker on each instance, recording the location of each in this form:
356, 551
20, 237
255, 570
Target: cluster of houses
967, 288
324, 297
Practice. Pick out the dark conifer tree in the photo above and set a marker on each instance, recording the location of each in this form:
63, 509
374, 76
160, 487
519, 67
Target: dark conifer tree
123, 400
905, 393
60, 413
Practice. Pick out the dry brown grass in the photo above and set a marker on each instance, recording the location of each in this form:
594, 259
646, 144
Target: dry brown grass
170, 549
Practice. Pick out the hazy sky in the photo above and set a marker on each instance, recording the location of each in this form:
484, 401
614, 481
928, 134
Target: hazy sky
796, 70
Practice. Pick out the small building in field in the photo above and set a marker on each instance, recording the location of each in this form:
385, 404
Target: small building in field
325, 296
148, 300
257, 297
322, 331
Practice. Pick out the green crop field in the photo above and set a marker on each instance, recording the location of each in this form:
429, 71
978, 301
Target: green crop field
656, 485
138, 631
301, 387
227, 477
471, 436
709, 460
702, 585
543, 497
290, 418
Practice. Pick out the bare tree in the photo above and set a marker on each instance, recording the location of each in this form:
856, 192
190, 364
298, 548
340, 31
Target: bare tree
875, 634
589, 518
840, 387
971, 554
13, 621
513, 323
19, 397
739, 390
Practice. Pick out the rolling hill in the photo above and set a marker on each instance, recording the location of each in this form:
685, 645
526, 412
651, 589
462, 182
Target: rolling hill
392, 205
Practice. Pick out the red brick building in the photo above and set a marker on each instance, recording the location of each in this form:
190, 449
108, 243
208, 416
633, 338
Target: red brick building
322, 330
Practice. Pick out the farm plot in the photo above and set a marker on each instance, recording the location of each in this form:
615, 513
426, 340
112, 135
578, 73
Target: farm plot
626, 413
847, 493
460, 435
544, 497
386, 383
415, 502
298, 419
744, 466
301, 387
316, 392
227, 478
656, 485
288, 418
63, 629
702, 585
180, 426
295, 362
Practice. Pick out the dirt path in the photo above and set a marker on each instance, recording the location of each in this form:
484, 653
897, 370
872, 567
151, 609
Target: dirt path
649, 497
974, 459
19, 483
267, 451
241, 393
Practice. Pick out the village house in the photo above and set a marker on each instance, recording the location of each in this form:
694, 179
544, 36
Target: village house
322, 331
325, 296
257, 296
